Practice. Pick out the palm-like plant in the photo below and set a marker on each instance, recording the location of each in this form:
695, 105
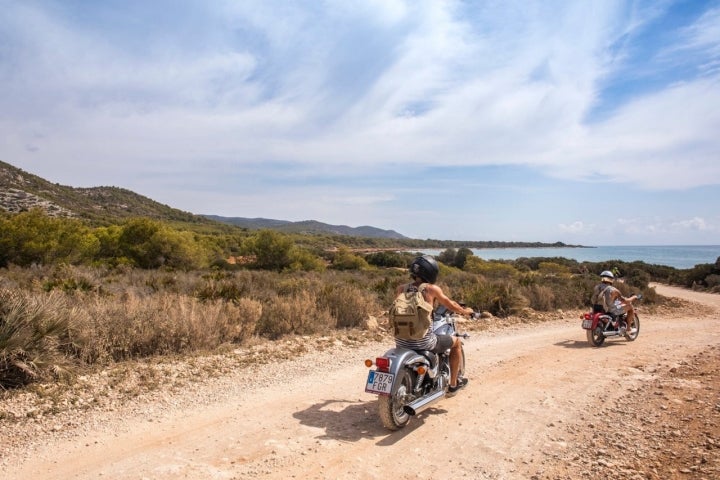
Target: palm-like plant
32, 331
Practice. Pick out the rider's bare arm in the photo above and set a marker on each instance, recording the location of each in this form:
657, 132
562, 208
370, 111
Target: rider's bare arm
437, 293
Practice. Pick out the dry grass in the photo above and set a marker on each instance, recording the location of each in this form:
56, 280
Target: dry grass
81, 316
99, 316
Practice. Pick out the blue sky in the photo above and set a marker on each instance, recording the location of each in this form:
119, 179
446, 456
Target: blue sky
593, 122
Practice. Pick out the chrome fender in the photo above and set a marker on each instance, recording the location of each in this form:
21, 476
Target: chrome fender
401, 358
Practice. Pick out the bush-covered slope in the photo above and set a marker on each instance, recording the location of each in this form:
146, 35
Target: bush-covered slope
22, 191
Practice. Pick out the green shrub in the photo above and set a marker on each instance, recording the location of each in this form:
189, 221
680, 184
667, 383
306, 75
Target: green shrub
447, 256
491, 270
272, 250
303, 260
712, 280
33, 237
553, 269
637, 277
386, 259
345, 260
533, 263
455, 258
151, 244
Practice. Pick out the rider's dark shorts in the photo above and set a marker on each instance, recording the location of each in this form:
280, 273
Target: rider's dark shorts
443, 343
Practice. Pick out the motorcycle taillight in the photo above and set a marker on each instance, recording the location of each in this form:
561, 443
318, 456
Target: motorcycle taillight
383, 364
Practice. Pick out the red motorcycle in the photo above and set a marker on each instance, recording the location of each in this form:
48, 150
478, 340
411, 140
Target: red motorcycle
601, 325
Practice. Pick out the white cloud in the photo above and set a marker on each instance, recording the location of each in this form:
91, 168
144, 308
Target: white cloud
662, 226
339, 89
704, 34
577, 228
695, 223
667, 140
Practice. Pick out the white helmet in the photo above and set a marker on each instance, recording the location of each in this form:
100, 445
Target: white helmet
607, 276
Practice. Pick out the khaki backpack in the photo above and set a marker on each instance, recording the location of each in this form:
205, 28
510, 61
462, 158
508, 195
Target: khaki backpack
410, 314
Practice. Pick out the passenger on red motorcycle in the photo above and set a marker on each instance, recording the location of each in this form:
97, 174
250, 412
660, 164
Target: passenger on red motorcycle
608, 299
425, 269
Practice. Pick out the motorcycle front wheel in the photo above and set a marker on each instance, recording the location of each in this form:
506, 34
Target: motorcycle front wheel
632, 334
596, 337
390, 408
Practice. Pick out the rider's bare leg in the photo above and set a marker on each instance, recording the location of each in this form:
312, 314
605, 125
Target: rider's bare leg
455, 356
630, 318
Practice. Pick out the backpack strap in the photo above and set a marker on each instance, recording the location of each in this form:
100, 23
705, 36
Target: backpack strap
410, 287
421, 288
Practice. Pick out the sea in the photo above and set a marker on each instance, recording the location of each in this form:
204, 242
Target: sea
678, 256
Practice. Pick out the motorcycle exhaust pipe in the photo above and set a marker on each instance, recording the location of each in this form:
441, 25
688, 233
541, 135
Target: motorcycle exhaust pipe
422, 403
618, 334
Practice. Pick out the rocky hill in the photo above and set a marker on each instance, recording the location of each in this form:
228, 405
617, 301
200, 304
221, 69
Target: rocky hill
22, 191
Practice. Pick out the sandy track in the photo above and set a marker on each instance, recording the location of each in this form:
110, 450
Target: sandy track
526, 383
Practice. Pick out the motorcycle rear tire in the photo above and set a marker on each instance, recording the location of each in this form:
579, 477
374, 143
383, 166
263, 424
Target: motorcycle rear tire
630, 337
596, 337
390, 408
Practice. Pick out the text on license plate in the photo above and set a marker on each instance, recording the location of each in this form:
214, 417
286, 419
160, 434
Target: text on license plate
379, 382
587, 324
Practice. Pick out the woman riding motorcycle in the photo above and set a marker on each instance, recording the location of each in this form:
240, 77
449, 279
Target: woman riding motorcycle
424, 270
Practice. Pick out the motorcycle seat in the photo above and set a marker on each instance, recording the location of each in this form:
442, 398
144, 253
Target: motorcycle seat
432, 357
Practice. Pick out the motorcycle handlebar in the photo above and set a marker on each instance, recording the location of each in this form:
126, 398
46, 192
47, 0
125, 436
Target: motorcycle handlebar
444, 312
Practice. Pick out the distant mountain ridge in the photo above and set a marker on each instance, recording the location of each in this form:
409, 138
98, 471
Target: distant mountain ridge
307, 226
22, 191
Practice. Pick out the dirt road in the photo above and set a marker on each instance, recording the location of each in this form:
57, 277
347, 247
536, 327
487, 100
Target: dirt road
313, 419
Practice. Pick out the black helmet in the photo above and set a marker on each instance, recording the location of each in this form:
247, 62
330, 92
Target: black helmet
425, 268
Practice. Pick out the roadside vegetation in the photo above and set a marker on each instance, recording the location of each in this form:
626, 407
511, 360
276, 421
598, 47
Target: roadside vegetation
76, 297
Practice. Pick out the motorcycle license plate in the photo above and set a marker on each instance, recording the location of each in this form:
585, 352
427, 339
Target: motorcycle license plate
379, 383
587, 324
